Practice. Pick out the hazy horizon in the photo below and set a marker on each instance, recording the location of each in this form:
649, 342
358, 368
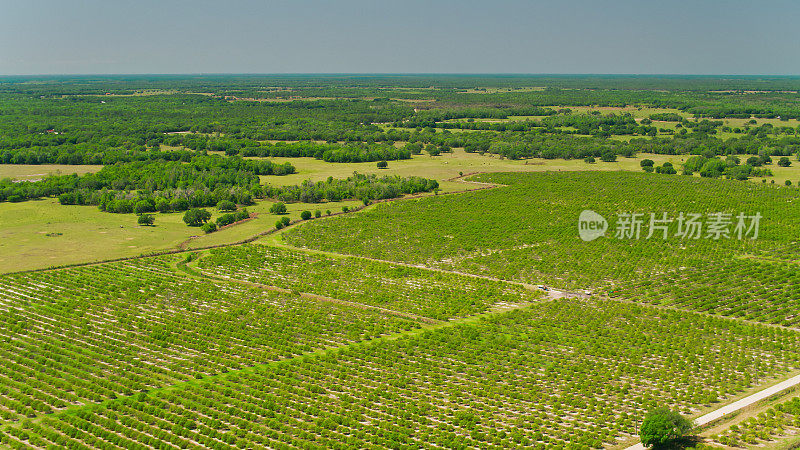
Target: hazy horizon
575, 37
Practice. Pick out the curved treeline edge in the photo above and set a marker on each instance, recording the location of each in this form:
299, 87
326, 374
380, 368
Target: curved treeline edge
201, 172
515, 145
166, 186
328, 152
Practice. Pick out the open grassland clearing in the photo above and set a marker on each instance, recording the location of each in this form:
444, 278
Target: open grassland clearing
43, 233
32, 172
450, 165
574, 372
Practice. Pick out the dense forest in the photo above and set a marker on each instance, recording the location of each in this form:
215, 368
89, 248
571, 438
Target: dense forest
159, 134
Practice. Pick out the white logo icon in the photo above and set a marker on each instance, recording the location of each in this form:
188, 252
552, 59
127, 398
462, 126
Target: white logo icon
591, 225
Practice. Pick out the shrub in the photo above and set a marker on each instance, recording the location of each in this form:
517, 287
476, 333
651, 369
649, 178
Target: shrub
317, 213
279, 224
209, 227
179, 204
608, 157
662, 426
788, 182
345, 209
285, 221
278, 208
305, 215
143, 206
382, 164
784, 162
146, 219
241, 215
196, 217
226, 205
647, 163
225, 219
589, 160
666, 168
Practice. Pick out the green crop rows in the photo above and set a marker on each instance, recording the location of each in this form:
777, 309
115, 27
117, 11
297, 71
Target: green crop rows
528, 231
85, 335
782, 419
552, 374
412, 290
749, 288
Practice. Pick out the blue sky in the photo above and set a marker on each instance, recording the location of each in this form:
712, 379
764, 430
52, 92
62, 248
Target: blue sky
408, 36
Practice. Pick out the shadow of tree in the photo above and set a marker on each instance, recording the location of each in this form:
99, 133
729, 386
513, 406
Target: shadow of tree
680, 443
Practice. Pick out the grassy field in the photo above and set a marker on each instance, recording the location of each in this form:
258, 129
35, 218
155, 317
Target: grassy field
43, 233
449, 165
27, 172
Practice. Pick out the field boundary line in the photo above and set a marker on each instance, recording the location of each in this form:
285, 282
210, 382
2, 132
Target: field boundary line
551, 292
704, 313
195, 272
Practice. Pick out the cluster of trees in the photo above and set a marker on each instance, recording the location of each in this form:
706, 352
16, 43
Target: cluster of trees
201, 175
648, 165
588, 124
667, 117
713, 167
328, 152
89, 153
198, 217
359, 186
434, 117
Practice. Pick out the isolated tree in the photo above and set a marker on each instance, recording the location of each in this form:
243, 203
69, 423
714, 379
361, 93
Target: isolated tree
589, 160
646, 163
285, 221
146, 219
317, 213
784, 162
278, 208
382, 164
196, 217
661, 426
305, 215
